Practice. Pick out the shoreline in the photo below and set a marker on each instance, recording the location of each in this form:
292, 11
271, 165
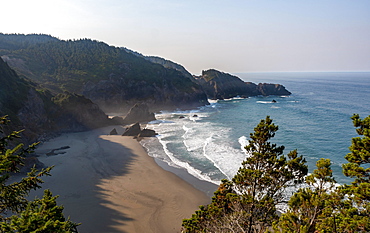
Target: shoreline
202, 185
110, 184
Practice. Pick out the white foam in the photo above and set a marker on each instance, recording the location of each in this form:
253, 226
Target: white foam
206, 142
159, 122
178, 163
264, 102
212, 101
243, 141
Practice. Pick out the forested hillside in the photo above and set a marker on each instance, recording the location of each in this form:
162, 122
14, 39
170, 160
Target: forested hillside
108, 75
40, 112
220, 85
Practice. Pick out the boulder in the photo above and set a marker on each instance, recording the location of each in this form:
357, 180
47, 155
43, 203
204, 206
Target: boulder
147, 133
113, 132
139, 113
132, 130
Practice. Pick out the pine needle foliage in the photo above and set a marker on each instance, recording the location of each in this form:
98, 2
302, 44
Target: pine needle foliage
17, 213
249, 202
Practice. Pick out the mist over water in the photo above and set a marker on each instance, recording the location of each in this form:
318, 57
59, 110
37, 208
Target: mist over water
208, 142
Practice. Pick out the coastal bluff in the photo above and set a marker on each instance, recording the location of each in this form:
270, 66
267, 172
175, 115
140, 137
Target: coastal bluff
72, 88
220, 85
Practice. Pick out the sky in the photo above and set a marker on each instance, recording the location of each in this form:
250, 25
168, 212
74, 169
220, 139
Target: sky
232, 36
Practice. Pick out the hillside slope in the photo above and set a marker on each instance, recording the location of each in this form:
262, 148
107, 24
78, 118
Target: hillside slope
109, 76
41, 113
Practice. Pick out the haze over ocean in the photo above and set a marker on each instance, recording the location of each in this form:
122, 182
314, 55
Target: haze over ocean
315, 120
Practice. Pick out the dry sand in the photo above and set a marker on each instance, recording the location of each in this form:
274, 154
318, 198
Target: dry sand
110, 184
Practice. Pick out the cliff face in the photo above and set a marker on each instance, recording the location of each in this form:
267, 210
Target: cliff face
77, 113
118, 94
272, 89
41, 114
219, 85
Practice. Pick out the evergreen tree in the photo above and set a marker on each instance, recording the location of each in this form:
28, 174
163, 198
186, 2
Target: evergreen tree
356, 211
323, 208
40, 215
312, 208
248, 202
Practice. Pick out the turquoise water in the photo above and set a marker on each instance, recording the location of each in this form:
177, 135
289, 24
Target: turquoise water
208, 142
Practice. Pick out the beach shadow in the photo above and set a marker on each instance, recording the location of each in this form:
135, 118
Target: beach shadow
93, 181
116, 163
78, 176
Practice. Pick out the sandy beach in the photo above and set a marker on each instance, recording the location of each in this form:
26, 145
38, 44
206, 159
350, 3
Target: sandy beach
109, 184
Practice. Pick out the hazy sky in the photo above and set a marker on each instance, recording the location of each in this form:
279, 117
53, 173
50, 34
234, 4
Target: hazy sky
232, 36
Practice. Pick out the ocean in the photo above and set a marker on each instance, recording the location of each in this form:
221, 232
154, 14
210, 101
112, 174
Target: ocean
208, 141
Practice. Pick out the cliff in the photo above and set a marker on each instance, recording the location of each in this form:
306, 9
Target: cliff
40, 113
111, 77
219, 85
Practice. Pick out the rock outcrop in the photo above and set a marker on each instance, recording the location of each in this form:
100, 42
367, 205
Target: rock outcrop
219, 85
272, 89
113, 132
147, 133
139, 113
77, 113
135, 131
40, 113
132, 130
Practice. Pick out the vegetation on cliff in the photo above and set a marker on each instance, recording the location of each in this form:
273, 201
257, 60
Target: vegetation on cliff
220, 85
248, 202
87, 67
39, 112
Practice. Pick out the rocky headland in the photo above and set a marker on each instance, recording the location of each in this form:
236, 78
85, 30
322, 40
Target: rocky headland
72, 88
219, 85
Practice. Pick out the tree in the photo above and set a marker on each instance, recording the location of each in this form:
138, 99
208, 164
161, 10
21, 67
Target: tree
39, 215
323, 208
356, 212
312, 208
248, 203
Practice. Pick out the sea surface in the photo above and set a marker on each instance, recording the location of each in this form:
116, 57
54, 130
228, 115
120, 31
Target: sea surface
208, 141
